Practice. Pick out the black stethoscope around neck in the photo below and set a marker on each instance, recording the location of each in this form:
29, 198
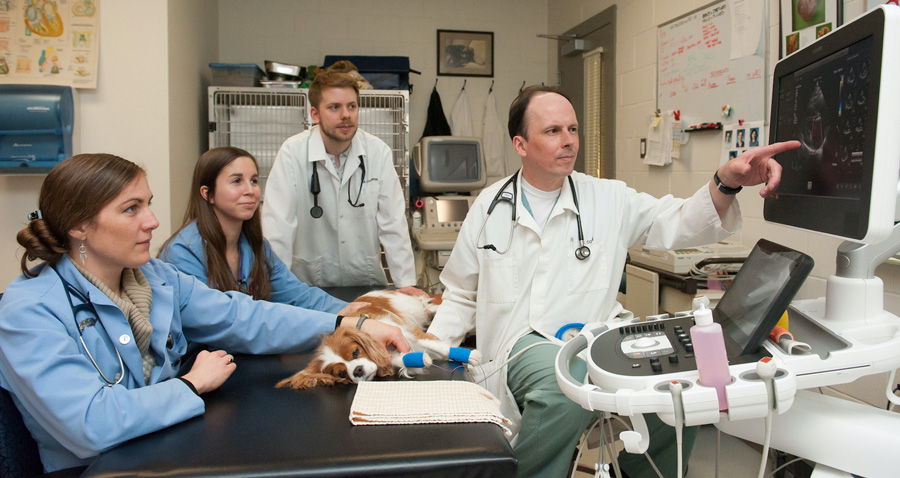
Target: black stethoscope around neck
314, 188
582, 252
88, 306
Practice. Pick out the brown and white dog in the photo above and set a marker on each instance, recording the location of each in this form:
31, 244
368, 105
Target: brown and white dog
349, 355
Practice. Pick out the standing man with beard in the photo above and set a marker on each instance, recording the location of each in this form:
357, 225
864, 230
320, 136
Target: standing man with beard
333, 195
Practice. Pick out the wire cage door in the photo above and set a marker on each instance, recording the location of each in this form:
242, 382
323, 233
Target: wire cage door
259, 120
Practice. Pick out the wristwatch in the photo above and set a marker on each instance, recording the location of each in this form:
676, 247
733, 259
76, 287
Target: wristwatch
723, 188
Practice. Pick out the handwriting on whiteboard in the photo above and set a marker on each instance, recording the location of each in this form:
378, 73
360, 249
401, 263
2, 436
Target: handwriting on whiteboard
694, 66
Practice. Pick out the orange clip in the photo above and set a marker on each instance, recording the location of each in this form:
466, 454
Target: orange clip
778, 332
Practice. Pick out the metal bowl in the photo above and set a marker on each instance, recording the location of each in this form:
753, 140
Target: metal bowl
283, 71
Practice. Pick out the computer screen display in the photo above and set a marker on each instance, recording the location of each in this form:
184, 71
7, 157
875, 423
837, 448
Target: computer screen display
829, 96
767, 282
449, 164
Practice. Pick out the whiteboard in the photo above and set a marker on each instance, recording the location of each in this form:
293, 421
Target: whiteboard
695, 72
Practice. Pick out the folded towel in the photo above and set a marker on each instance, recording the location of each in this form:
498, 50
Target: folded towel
411, 402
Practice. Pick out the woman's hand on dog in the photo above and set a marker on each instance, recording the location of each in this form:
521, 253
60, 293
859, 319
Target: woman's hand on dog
352, 308
410, 290
210, 370
385, 334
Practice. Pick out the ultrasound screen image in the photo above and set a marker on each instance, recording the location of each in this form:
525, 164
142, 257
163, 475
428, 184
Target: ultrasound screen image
825, 107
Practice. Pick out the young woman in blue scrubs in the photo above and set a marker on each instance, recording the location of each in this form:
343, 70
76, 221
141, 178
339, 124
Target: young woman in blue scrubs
91, 339
221, 241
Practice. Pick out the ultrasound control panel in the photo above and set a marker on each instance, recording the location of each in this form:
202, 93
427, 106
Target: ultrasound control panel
655, 346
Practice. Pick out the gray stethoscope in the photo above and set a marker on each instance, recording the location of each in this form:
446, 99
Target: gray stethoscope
582, 252
315, 189
88, 306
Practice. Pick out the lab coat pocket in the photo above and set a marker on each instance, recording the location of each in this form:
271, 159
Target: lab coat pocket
501, 281
590, 274
365, 200
176, 346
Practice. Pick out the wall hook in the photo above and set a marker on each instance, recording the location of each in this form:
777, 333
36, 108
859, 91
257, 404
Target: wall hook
435, 82
464, 84
491, 89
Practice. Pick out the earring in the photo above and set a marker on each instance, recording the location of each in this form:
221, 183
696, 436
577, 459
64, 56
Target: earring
83, 251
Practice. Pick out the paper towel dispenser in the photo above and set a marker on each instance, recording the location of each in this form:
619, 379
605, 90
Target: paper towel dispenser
36, 124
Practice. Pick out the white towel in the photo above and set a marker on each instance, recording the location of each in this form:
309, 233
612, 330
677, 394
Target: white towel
412, 402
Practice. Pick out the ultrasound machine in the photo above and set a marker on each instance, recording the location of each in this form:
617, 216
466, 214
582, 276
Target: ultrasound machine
840, 97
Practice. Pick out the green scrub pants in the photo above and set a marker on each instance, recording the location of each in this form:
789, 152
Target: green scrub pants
552, 423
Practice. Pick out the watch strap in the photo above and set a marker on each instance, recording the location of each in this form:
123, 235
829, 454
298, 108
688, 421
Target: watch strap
723, 188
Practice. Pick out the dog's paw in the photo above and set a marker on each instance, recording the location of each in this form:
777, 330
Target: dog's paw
417, 360
475, 358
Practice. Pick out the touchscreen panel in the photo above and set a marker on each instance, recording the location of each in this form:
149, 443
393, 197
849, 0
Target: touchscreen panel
760, 293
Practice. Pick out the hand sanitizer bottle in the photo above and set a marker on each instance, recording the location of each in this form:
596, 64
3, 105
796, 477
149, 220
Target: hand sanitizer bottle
709, 350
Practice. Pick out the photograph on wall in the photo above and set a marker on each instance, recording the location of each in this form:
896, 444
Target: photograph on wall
738, 138
46, 42
465, 53
804, 21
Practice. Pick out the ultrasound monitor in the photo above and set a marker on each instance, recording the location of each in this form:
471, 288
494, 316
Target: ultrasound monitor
839, 98
449, 164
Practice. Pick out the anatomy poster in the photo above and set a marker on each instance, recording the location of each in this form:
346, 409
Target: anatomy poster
50, 42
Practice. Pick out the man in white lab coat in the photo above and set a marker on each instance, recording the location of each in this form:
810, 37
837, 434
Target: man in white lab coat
333, 195
516, 278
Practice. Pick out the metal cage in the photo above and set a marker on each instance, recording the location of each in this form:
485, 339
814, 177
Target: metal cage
260, 119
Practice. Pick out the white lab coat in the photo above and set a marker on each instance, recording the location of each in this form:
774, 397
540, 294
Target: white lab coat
494, 139
460, 118
539, 284
341, 248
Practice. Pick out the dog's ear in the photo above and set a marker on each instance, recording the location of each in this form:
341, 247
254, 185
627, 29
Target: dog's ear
375, 352
306, 379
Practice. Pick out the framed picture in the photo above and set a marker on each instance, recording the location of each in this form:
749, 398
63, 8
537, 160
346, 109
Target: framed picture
803, 21
465, 53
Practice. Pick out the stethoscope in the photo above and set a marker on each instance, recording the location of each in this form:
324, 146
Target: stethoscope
88, 306
582, 252
315, 189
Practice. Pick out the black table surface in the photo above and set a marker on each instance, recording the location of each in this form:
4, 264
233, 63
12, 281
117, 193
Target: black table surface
252, 429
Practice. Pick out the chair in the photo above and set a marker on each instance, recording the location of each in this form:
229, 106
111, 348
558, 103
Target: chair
18, 452
19, 457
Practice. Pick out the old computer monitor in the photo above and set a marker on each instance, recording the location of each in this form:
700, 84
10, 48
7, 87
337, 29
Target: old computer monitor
840, 97
449, 164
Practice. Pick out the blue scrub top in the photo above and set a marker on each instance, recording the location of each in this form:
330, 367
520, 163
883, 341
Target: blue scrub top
187, 252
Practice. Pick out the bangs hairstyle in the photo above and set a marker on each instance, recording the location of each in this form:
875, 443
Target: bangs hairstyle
517, 125
330, 79
218, 273
73, 193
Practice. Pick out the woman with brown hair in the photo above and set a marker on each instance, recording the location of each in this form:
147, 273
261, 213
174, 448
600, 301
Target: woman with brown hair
92, 337
221, 241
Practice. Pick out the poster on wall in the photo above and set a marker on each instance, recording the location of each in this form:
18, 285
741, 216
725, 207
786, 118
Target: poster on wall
49, 42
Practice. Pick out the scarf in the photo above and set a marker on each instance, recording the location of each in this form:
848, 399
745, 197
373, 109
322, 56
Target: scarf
135, 302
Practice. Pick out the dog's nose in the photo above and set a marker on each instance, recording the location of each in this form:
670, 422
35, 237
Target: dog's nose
358, 371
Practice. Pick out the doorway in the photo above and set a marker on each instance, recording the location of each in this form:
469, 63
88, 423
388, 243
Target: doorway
599, 30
